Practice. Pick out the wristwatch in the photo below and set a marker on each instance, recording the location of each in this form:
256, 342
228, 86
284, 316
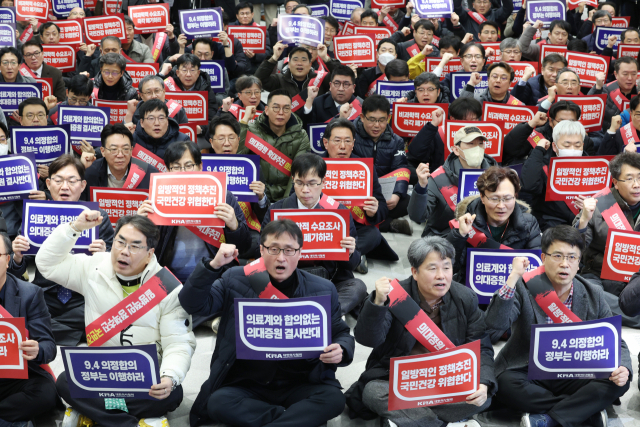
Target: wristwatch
174, 383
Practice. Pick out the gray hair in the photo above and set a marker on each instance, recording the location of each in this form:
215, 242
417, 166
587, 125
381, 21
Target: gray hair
420, 249
357, 9
114, 58
110, 39
568, 127
566, 70
509, 43
425, 77
245, 82
602, 14
150, 78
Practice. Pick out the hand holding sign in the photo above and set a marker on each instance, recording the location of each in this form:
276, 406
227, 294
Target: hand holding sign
423, 174
258, 189
226, 213
225, 255
349, 243
97, 246
383, 289
162, 390
332, 354
370, 206
620, 376
630, 148
479, 397
30, 349
145, 208
87, 220
466, 224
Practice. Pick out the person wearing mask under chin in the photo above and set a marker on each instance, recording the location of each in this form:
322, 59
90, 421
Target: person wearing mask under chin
568, 141
366, 83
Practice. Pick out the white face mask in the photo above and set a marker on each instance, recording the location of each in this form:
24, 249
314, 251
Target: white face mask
474, 156
569, 153
4, 149
385, 58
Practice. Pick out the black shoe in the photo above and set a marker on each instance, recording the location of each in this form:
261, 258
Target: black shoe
401, 226
599, 419
363, 268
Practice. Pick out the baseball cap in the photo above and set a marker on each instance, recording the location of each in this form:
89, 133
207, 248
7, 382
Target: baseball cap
468, 134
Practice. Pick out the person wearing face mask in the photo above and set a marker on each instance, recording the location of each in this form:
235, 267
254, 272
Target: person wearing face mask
434, 195
366, 80
559, 34
500, 77
496, 213
324, 107
568, 141
66, 184
482, 11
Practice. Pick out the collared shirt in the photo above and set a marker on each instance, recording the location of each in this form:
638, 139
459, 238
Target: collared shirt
507, 292
38, 72
301, 206
113, 182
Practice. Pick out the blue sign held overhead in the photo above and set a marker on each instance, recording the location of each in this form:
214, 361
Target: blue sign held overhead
7, 35
241, 171
316, 132
8, 15
602, 35
18, 176
46, 143
434, 8
201, 22
300, 29
341, 9
546, 11
85, 122
319, 10
394, 91
215, 69
62, 8
459, 83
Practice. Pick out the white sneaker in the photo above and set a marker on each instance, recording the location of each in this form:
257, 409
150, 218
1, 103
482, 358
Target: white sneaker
467, 423
154, 422
73, 418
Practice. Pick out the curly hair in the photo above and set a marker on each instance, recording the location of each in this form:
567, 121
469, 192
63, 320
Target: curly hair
492, 177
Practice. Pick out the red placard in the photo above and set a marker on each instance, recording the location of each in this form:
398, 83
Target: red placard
493, 131
359, 50
12, 334
591, 107
62, 57
587, 65
187, 198
118, 202
112, 7
98, 27
573, 176
621, 22
252, 38
191, 130
496, 51
349, 180
628, 50
149, 18
379, 4
547, 49
573, 4
431, 379
518, 69
27, 9
47, 85
148, 157
70, 31
376, 33
257, 114
118, 109
410, 118
454, 65
510, 115
347, 30
195, 104
322, 231
139, 71
621, 255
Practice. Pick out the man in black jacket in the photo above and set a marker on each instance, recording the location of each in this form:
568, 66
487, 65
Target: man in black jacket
244, 16
25, 399
318, 109
253, 392
452, 307
156, 131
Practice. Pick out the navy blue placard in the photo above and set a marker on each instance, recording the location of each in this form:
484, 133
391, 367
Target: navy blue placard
584, 350
85, 122
62, 8
18, 176
319, 10
341, 9
488, 269
517, 5
546, 11
7, 35
274, 329
467, 179
434, 9
46, 143
241, 171
40, 218
111, 372
300, 29
602, 37
393, 91
215, 69
12, 94
8, 15
201, 22
316, 132
459, 83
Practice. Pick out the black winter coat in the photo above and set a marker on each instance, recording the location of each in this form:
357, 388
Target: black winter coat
203, 84
96, 176
160, 145
125, 89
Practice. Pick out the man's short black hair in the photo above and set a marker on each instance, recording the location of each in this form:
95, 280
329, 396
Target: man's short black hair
607, 3
46, 25
143, 225
392, 42
188, 59
306, 163
111, 59
80, 85
299, 49
32, 42
562, 233
128, 21
31, 101
564, 25
176, 150
425, 77
368, 14
339, 123
375, 103
452, 42
396, 68
331, 21
153, 105
423, 23
577, 45
343, 70
279, 227
208, 41
489, 24
243, 5
624, 158
117, 129
629, 30
66, 160
552, 58
634, 103
616, 65
564, 106
462, 107
504, 66
12, 50
223, 119
278, 92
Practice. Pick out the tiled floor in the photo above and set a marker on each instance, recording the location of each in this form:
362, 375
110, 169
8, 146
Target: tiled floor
628, 414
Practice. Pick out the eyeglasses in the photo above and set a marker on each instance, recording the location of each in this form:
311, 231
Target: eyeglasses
32, 55
499, 77
286, 109
603, 21
345, 85
188, 70
569, 83
160, 119
108, 73
126, 150
635, 180
373, 120
311, 185
39, 116
469, 56
188, 167
422, 90
133, 249
341, 141
156, 92
250, 92
10, 63
71, 181
559, 258
76, 101
272, 250
496, 200
221, 139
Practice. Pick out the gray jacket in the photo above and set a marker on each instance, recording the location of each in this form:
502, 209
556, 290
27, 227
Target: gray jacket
522, 311
530, 51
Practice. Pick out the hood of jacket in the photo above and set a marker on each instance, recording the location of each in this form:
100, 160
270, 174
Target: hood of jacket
172, 131
474, 204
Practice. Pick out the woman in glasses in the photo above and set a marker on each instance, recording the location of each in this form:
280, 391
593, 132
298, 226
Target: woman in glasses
65, 184
249, 90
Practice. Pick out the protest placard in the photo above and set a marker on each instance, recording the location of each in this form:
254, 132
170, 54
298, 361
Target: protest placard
139, 152
592, 109
8, 15
71, 31
253, 38
12, 334
62, 57
349, 180
342, 9
546, 11
467, 182
587, 66
150, 18
410, 118
316, 132
509, 115
118, 202
62, 8
27, 9
434, 8
602, 35
573, 176
358, 50
18, 176
519, 70
241, 171
394, 91
140, 71
319, 10
7, 35
46, 143
117, 109
12, 94
376, 33
454, 65
459, 83
201, 22
300, 29
215, 70
621, 255
98, 27
191, 130
195, 104
493, 131
85, 122
621, 21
